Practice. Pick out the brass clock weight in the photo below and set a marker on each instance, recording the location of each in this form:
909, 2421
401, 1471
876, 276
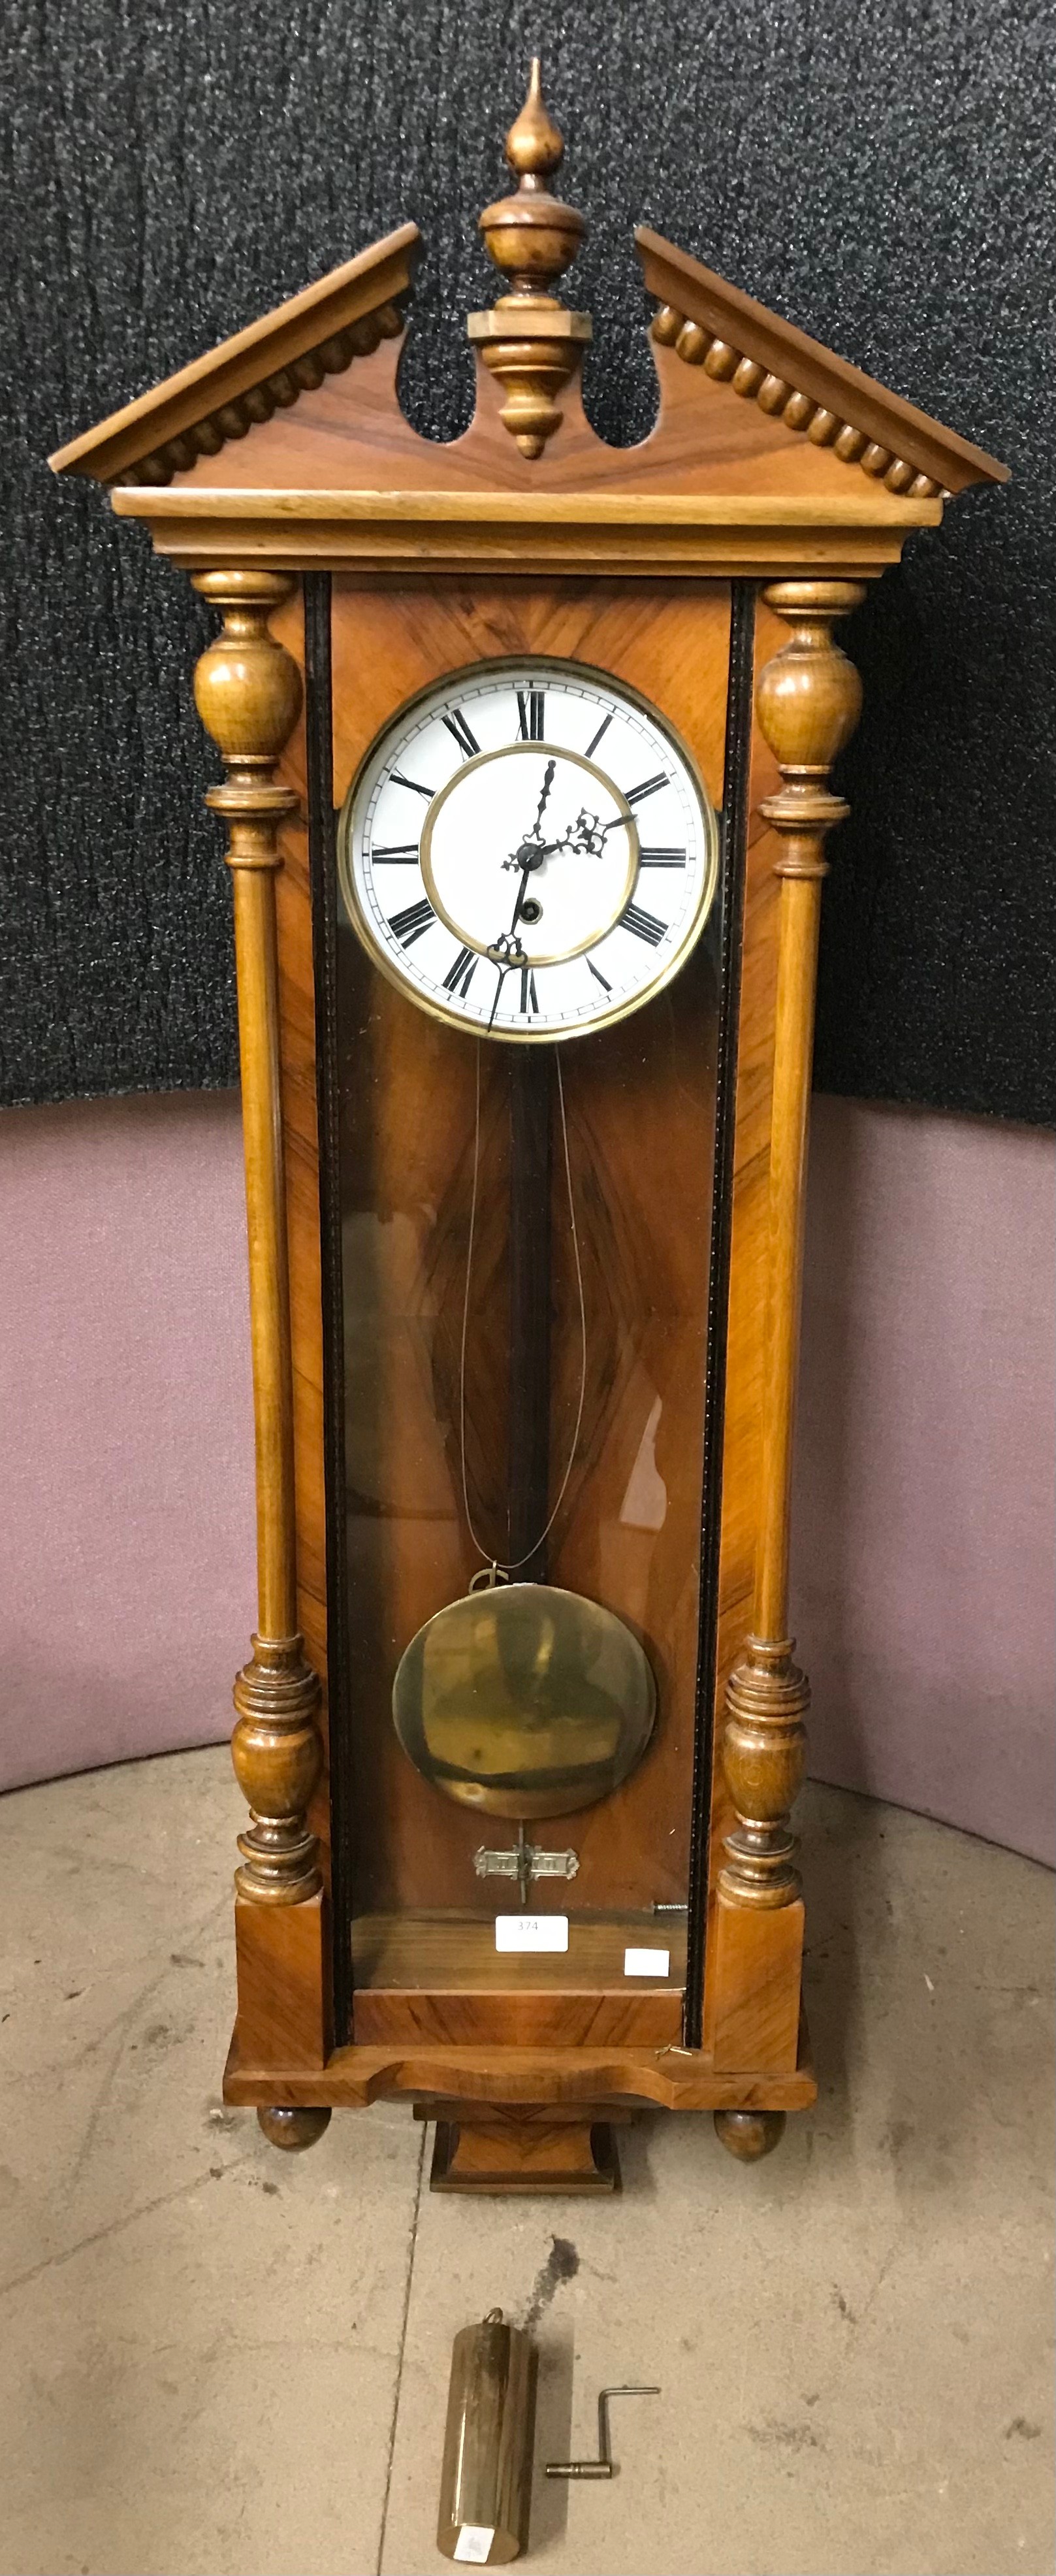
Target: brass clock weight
527, 746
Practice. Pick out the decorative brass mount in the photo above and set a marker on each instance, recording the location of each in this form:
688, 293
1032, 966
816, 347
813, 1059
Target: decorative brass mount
525, 1862
529, 339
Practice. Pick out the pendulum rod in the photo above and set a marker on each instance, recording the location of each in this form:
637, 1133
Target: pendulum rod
525, 1862
529, 1519
524, 1867
529, 1433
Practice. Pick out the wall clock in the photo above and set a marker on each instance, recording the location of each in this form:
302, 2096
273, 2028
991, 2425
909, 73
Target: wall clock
527, 747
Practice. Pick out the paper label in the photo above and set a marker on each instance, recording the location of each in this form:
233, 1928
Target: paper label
531, 1932
473, 2545
647, 1963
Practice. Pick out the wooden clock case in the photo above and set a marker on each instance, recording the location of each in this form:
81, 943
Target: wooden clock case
354, 562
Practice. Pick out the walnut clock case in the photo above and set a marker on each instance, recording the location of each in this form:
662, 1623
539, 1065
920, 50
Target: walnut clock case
527, 745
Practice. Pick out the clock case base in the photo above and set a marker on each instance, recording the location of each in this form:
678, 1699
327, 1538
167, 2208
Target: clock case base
519, 2150
519, 2096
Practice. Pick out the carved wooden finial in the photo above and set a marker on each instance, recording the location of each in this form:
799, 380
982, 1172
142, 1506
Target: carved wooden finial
529, 340
534, 144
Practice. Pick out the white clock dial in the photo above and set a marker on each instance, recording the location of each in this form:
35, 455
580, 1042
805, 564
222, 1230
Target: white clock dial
528, 851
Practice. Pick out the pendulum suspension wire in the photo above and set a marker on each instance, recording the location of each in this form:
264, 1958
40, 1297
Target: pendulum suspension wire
486, 1554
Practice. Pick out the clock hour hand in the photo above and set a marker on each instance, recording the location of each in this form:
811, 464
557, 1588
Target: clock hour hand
635, 797
532, 853
530, 863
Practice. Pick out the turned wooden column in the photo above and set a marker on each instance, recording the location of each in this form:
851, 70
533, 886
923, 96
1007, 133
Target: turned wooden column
248, 693
808, 701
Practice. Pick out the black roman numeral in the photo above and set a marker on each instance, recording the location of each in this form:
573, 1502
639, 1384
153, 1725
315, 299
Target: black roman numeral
602, 729
465, 738
662, 858
529, 996
397, 779
648, 787
643, 924
402, 854
532, 708
599, 978
410, 923
460, 976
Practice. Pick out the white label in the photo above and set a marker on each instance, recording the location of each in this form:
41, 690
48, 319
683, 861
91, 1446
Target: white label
473, 2545
647, 1963
531, 1932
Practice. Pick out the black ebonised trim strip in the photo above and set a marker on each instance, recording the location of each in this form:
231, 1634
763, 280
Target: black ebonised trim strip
322, 869
736, 791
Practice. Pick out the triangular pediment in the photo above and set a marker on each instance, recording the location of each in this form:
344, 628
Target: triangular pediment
289, 445
306, 399
767, 361
220, 397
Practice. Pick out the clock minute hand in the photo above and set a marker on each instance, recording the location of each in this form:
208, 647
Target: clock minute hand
548, 780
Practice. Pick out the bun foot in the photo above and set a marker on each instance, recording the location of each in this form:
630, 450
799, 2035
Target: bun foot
292, 2126
750, 2134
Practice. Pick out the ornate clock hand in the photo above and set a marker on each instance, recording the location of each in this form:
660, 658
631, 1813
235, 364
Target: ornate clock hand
499, 982
526, 871
635, 796
531, 851
505, 952
548, 780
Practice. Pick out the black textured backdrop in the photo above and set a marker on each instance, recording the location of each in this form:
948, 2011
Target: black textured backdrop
884, 175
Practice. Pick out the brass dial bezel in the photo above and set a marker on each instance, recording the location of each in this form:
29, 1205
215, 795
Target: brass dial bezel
563, 668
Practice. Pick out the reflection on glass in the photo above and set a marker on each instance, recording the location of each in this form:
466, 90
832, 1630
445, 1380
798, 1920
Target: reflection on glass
524, 1700
436, 1382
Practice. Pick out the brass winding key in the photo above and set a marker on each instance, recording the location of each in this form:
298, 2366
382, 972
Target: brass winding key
604, 2465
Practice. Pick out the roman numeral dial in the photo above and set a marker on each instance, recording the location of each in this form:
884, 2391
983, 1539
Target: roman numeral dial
409, 925
460, 976
462, 732
644, 924
531, 903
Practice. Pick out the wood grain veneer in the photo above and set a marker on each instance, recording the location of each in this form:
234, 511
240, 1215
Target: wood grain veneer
441, 1978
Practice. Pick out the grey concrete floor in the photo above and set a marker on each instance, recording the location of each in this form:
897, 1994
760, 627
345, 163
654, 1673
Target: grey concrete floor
218, 2361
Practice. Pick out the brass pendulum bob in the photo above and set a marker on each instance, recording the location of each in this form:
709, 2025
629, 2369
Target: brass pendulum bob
523, 1700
